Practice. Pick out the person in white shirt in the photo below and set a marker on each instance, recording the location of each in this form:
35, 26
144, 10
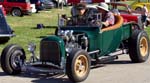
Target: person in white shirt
144, 14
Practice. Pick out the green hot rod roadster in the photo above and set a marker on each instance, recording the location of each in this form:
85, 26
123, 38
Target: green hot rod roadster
73, 49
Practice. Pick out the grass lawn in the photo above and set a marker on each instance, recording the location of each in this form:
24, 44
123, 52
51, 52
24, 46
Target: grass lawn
25, 27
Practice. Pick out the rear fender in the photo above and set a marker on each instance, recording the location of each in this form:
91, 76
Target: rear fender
16, 8
137, 6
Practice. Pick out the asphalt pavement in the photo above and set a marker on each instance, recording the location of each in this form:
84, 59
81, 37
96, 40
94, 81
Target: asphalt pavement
118, 71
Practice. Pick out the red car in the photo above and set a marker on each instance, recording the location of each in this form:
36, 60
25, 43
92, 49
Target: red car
3, 10
16, 7
126, 12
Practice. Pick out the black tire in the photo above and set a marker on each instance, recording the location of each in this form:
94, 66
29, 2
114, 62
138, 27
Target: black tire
76, 57
11, 59
16, 12
136, 27
139, 46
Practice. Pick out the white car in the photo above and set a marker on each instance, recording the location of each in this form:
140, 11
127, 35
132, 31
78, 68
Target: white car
33, 10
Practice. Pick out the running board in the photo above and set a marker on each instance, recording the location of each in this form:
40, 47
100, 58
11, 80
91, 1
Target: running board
109, 58
42, 68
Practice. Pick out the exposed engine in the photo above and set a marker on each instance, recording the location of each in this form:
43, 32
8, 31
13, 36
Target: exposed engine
73, 40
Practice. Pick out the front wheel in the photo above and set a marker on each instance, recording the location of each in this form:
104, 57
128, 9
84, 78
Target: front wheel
139, 46
78, 65
12, 59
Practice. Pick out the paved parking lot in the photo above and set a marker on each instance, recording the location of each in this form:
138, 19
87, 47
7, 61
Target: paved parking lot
119, 71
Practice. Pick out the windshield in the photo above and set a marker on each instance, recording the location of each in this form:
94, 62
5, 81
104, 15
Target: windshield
93, 20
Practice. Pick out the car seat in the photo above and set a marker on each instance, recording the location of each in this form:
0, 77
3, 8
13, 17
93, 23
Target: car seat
118, 24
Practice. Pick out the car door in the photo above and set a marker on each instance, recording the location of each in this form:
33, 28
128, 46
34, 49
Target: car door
110, 40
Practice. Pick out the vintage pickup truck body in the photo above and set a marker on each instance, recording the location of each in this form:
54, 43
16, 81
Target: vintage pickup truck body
73, 49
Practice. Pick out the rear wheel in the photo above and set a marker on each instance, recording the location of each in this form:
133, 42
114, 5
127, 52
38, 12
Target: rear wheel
138, 9
16, 12
139, 46
12, 59
136, 27
78, 65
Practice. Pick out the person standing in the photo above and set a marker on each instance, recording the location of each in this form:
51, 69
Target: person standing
144, 15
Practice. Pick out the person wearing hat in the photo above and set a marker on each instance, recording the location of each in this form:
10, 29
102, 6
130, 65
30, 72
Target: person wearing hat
108, 18
82, 14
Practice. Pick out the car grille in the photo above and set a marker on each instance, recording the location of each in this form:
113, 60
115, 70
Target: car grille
50, 52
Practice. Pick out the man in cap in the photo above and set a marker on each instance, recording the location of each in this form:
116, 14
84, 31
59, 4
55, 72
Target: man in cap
82, 14
108, 18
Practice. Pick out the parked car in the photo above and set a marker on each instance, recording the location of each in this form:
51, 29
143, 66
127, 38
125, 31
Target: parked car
86, 1
48, 4
138, 4
126, 11
73, 48
5, 30
43, 4
16, 7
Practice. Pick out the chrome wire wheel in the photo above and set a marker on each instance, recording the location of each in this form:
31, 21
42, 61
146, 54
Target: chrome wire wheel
16, 60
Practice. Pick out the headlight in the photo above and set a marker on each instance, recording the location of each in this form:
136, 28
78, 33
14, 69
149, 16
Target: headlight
31, 47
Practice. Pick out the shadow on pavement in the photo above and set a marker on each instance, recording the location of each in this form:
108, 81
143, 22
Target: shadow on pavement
46, 78
121, 62
59, 78
111, 63
42, 78
3, 74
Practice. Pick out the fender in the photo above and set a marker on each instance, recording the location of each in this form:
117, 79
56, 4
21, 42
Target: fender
137, 6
